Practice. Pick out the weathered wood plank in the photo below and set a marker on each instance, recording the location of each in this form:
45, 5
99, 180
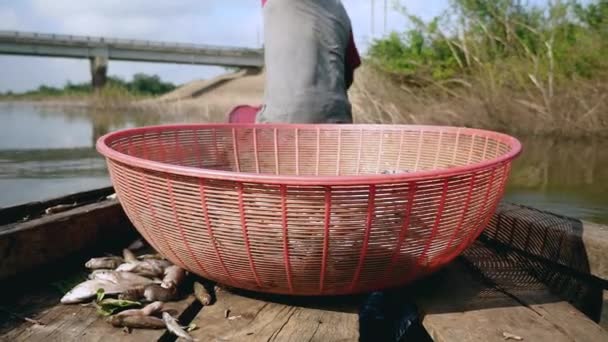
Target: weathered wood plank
100, 331
460, 305
62, 324
265, 320
35, 209
81, 323
523, 279
45, 240
604, 314
595, 239
460, 308
506, 293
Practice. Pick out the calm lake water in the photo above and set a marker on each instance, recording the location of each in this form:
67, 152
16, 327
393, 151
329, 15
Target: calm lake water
47, 152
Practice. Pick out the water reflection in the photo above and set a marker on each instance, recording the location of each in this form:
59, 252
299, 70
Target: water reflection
569, 177
50, 151
47, 152
102, 121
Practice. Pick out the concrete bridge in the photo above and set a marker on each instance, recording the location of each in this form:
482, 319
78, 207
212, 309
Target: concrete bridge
99, 50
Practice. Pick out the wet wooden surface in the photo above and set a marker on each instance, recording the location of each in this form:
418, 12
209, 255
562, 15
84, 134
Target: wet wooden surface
243, 317
485, 295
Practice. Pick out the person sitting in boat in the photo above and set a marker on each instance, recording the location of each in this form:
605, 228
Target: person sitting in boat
310, 60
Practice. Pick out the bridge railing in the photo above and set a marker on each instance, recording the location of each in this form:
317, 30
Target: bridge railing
94, 41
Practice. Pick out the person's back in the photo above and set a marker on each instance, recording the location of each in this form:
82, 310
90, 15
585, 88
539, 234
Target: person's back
305, 55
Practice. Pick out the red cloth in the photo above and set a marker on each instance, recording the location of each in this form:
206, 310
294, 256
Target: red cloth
243, 114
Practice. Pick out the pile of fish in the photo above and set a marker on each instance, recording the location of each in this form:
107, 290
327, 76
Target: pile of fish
120, 286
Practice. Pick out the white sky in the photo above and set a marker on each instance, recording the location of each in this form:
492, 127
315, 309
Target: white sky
223, 22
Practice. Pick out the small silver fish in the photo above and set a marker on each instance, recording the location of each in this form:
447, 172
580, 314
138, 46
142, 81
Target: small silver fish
59, 208
174, 327
174, 276
104, 263
201, 293
158, 262
111, 282
137, 244
97, 273
137, 322
141, 268
128, 256
150, 256
148, 268
147, 310
117, 277
155, 292
88, 290
133, 294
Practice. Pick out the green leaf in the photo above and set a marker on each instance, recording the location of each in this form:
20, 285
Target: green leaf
121, 303
100, 295
109, 306
104, 313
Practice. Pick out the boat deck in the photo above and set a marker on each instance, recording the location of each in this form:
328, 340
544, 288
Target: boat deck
531, 275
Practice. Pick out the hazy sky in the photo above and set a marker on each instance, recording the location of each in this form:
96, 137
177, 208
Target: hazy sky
223, 22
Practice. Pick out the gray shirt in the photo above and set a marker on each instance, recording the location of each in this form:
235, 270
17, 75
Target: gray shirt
305, 44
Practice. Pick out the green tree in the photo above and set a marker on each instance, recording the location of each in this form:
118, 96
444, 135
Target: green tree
149, 85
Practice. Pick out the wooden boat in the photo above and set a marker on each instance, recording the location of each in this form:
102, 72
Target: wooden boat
531, 275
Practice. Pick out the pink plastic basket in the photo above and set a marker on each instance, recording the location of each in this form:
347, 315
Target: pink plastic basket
309, 209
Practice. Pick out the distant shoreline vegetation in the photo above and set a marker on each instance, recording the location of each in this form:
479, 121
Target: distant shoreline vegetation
501, 64
534, 44
140, 86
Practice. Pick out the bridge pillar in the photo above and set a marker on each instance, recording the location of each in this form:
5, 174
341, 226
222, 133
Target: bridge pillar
99, 70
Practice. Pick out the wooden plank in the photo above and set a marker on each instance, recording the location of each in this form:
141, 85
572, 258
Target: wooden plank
604, 315
100, 331
507, 294
36, 296
583, 292
36, 209
595, 239
81, 323
255, 319
42, 241
61, 323
461, 305
525, 279
460, 308
578, 245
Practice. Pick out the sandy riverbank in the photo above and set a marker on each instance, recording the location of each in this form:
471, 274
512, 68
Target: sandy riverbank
378, 98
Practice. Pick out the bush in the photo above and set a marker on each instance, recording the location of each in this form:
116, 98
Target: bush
559, 40
497, 64
141, 85
149, 85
